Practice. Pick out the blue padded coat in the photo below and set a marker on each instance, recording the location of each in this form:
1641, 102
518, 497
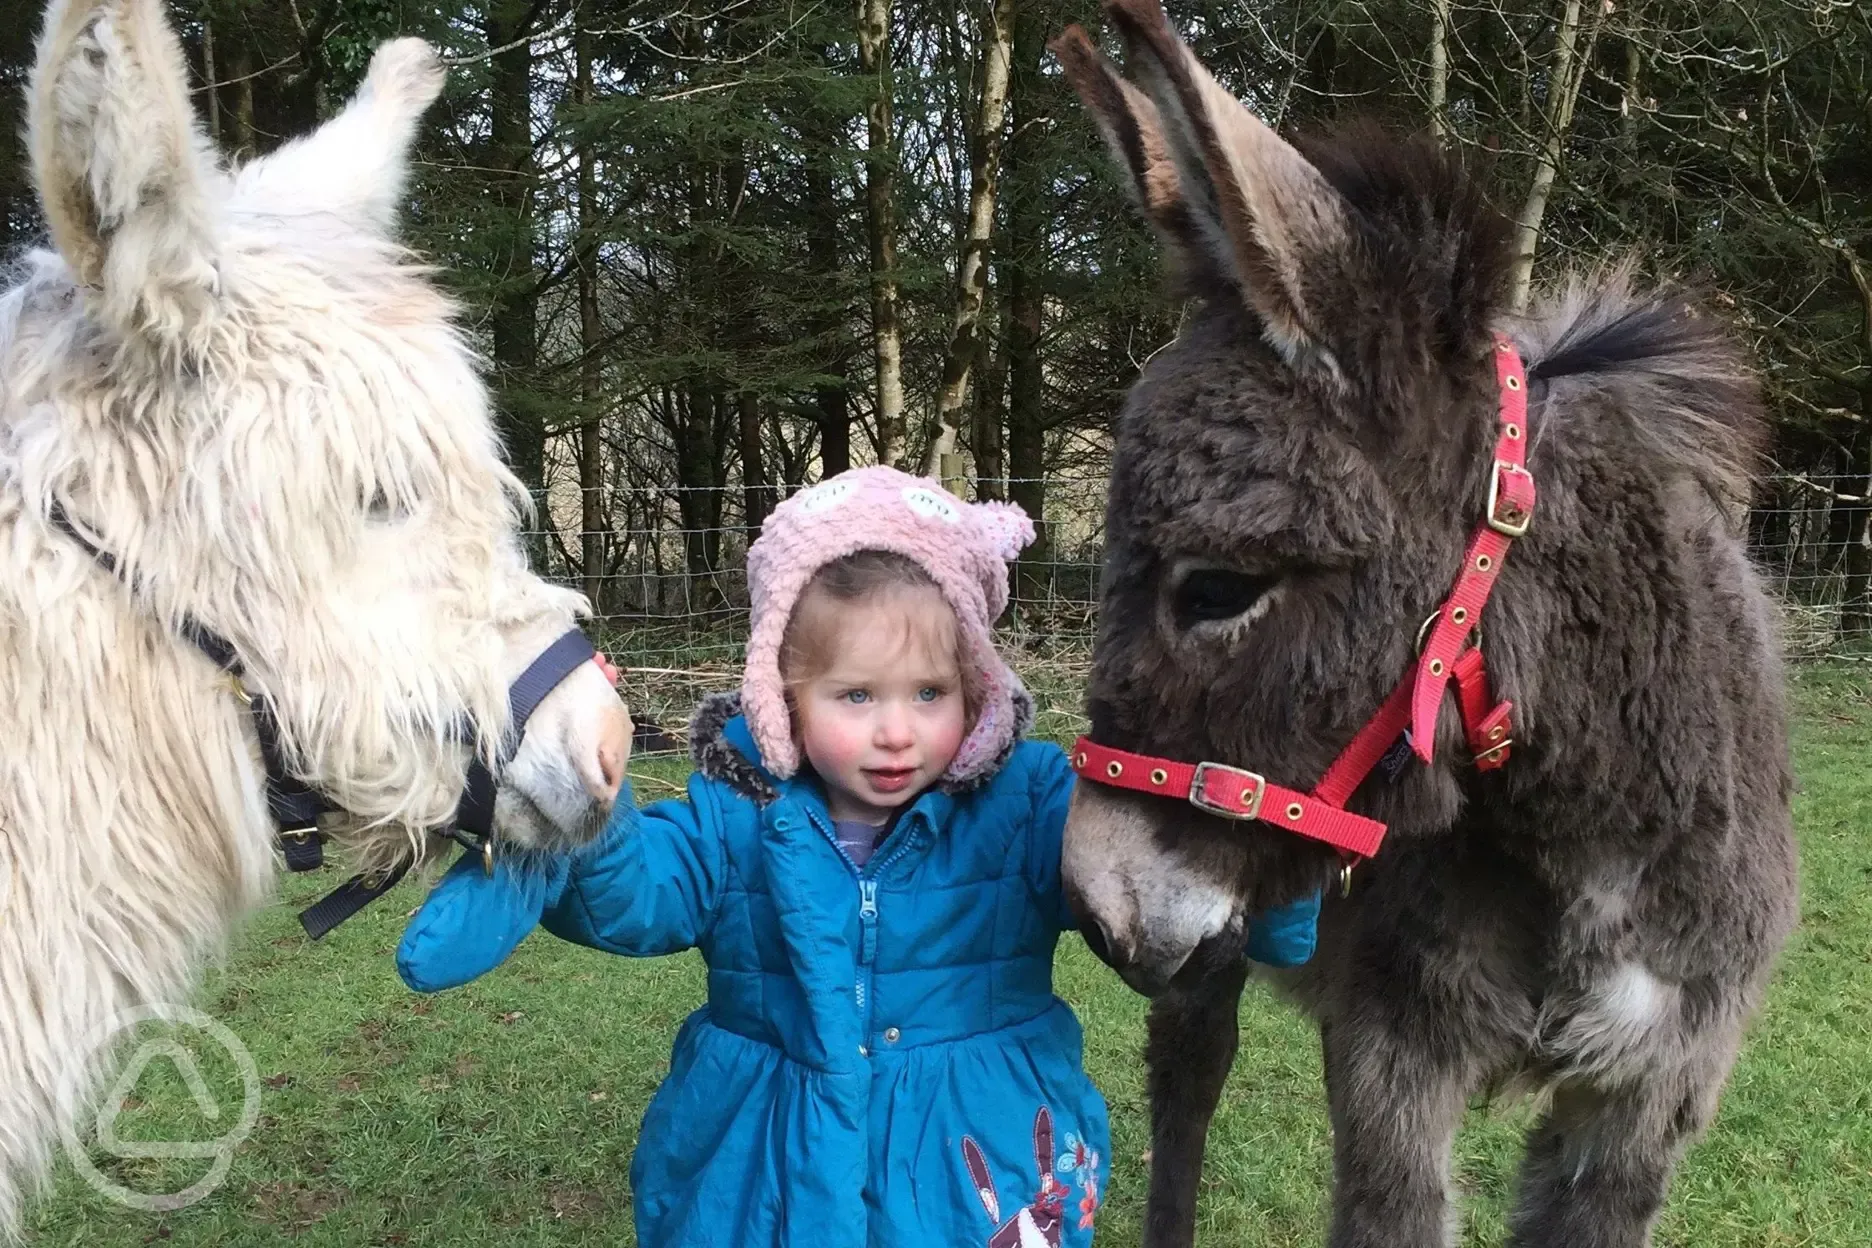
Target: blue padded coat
881, 1059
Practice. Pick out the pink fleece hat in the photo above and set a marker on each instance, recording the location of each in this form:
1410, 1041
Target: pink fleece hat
965, 548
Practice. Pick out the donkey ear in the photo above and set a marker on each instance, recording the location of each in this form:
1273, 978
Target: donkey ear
1266, 215
352, 168
126, 178
1134, 132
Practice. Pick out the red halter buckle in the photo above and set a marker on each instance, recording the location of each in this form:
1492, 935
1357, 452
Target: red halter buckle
1450, 651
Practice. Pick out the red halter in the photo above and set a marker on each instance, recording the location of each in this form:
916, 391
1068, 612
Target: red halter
1446, 653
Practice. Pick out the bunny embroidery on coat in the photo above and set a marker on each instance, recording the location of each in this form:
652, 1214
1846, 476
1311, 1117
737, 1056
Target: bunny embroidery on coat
1041, 1223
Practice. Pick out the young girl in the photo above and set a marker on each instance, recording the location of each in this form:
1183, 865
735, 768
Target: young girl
868, 859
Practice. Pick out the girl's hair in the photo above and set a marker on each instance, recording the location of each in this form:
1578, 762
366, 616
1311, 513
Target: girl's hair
812, 633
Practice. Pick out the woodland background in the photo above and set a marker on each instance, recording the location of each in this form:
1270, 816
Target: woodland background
714, 249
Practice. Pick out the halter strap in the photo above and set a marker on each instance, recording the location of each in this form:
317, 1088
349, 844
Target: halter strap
1450, 652
295, 806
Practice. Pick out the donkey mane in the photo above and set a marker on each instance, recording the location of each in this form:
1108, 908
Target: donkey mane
1438, 252
1660, 363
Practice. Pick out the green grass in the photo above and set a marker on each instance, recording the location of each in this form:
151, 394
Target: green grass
504, 1113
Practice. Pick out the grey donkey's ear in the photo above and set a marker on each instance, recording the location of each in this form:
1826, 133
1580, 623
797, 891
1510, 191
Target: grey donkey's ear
126, 179
1134, 132
1254, 206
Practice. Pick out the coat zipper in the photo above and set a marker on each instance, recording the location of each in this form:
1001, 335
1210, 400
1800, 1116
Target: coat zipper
867, 923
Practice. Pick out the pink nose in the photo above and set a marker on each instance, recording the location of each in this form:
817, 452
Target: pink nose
614, 748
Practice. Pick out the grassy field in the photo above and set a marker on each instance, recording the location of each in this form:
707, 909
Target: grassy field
504, 1113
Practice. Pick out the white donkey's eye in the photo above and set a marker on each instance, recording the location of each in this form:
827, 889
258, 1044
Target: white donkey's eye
380, 510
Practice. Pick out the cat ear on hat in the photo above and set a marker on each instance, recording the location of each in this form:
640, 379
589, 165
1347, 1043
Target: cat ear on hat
1008, 529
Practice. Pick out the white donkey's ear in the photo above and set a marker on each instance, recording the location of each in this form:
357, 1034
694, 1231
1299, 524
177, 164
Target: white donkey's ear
352, 168
129, 185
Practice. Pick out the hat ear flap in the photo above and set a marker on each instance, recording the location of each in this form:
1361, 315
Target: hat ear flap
1008, 528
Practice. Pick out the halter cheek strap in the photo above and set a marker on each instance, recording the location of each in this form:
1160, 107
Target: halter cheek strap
296, 807
1449, 652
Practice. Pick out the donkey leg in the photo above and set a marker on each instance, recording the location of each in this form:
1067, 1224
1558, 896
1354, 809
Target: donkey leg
1192, 1039
1395, 1109
1599, 1164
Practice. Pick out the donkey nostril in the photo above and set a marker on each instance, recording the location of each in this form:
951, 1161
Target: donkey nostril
1098, 940
611, 763
613, 756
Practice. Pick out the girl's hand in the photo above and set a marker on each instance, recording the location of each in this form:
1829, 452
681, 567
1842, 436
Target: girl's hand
1285, 935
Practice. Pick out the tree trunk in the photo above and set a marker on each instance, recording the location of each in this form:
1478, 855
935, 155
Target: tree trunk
972, 269
1439, 68
1566, 72
513, 318
874, 57
756, 494
593, 529
241, 133
832, 399
1025, 266
209, 88
1630, 102
1855, 627
697, 495
990, 411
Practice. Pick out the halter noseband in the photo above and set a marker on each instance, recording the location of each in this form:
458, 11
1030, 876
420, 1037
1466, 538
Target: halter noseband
1449, 649
296, 807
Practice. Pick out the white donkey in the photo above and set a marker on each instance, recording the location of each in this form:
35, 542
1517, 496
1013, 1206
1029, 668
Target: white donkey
242, 389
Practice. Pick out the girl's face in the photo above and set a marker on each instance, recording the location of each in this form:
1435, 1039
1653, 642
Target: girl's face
885, 719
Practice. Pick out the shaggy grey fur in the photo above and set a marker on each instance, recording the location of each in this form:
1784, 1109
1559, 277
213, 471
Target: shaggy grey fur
1597, 919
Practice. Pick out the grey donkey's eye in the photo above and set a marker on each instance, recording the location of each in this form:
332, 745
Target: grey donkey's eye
1205, 595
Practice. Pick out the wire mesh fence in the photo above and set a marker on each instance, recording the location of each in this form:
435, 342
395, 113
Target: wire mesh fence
668, 581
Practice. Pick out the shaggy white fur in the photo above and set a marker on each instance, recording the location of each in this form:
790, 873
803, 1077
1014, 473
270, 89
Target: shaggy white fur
241, 386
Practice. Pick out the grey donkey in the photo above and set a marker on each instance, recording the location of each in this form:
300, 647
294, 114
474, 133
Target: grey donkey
1295, 480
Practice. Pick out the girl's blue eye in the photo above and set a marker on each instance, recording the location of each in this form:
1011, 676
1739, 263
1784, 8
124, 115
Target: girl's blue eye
857, 697
929, 693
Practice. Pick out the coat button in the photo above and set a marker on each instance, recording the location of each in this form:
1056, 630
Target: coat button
863, 1051
892, 1035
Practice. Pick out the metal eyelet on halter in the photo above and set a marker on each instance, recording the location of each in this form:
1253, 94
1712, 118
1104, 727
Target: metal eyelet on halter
1079, 761
1294, 811
1160, 776
1114, 770
1513, 382
1483, 563
1436, 667
1513, 432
